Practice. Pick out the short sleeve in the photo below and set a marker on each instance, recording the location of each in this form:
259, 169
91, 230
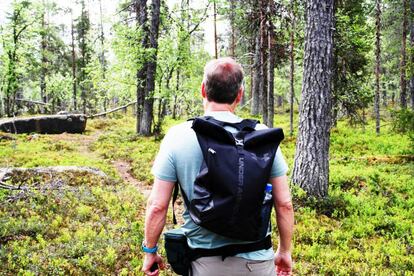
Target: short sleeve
280, 166
164, 165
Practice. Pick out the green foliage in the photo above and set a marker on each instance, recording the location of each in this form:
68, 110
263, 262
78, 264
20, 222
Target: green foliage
353, 36
363, 227
403, 120
44, 150
90, 228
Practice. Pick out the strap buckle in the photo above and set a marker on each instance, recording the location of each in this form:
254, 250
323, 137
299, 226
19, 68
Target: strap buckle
239, 142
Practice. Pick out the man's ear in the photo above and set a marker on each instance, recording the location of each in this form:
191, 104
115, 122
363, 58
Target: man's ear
203, 90
239, 95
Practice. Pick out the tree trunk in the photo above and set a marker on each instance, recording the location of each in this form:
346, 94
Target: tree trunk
377, 66
102, 59
1, 106
412, 53
141, 17
311, 168
256, 79
263, 61
251, 71
232, 24
43, 49
73, 64
384, 94
271, 73
147, 115
292, 63
215, 29
84, 55
175, 104
403, 62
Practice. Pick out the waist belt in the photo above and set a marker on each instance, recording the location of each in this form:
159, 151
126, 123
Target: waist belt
231, 249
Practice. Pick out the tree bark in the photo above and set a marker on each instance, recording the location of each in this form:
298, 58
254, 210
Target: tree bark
102, 59
233, 29
377, 66
142, 17
256, 79
292, 63
43, 49
311, 166
73, 63
263, 84
403, 61
271, 72
177, 87
412, 53
147, 115
215, 29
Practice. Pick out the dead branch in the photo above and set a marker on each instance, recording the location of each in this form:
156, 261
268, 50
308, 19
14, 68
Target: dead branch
112, 110
32, 102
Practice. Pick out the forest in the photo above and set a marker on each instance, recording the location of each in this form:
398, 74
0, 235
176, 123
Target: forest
336, 75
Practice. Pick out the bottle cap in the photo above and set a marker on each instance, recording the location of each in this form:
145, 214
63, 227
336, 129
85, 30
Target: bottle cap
268, 187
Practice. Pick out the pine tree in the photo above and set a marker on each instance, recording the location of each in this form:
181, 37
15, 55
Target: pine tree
311, 168
403, 60
377, 65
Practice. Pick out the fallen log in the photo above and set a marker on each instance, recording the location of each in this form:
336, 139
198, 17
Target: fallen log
51, 124
31, 102
111, 111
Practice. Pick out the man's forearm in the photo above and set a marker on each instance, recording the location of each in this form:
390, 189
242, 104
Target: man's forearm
285, 222
157, 207
155, 218
284, 211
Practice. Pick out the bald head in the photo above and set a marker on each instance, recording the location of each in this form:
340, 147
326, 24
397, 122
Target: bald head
223, 79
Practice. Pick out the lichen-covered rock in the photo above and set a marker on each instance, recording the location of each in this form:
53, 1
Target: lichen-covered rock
53, 124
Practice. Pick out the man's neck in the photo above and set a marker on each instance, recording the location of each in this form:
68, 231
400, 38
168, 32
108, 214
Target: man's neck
214, 107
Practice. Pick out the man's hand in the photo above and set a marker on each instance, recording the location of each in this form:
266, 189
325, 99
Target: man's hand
149, 260
283, 263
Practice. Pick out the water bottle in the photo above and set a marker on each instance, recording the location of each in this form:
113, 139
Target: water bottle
266, 210
268, 193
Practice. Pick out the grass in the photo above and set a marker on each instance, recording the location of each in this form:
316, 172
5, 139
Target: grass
364, 227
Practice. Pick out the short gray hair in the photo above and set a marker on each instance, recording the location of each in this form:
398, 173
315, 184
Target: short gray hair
223, 79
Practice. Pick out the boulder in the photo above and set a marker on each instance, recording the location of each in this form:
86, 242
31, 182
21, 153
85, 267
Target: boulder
52, 124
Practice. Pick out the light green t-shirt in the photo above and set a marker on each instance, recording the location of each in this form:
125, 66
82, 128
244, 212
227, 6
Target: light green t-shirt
180, 158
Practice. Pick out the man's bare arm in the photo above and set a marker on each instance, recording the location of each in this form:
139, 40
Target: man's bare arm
284, 211
157, 207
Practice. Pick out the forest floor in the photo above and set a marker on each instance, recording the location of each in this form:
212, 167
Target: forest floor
91, 226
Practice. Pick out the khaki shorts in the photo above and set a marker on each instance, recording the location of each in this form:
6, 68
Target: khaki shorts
215, 266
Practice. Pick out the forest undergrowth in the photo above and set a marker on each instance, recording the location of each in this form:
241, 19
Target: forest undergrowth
91, 226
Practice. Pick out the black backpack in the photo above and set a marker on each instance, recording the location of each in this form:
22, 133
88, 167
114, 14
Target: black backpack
230, 187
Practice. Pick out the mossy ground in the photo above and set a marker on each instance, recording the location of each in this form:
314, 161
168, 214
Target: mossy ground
364, 227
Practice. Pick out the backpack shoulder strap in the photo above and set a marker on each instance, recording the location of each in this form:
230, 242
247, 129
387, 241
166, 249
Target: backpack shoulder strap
174, 199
